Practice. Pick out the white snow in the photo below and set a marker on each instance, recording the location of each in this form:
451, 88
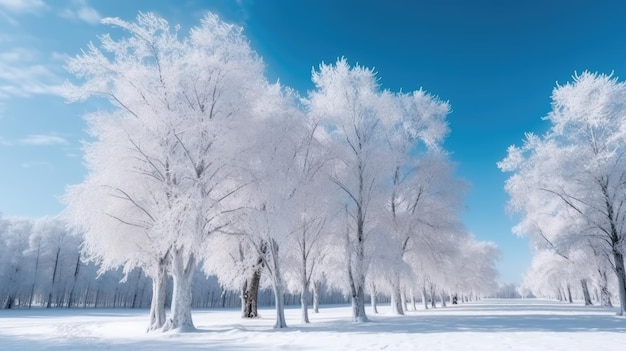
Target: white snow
491, 324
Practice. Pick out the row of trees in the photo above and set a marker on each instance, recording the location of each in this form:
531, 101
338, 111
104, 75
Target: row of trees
201, 162
42, 266
568, 187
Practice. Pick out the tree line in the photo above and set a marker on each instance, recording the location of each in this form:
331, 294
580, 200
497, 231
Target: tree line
200, 164
43, 268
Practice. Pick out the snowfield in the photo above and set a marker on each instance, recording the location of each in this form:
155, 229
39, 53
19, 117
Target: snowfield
491, 324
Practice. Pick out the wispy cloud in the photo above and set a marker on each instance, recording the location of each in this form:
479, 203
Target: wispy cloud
35, 164
81, 11
17, 55
59, 56
23, 74
43, 139
8, 19
4, 142
22, 6
244, 13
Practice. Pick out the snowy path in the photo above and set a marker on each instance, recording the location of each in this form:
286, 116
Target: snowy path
488, 325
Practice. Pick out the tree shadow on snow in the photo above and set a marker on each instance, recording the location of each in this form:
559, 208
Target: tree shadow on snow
487, 318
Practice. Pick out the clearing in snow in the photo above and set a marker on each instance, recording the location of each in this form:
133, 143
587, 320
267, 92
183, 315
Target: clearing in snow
491, 324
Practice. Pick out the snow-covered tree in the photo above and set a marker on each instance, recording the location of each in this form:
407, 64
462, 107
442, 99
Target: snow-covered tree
349, 101
284, 169
163, 161
308, 240
14, 235
419, 128
575, 172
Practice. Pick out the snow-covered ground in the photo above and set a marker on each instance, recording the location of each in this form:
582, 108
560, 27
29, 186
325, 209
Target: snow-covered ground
487, 325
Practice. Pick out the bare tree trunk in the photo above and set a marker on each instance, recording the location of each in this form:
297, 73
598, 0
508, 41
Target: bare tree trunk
304, 298
304, 304
134, 304
54, 275
569, 293
373, 298
433, 303
317, 287
396, 296
583, 283
251, 295
86, 296
70, 299
621, 276
605, 295
159, 292
277, 285
279, 301
182, 274
404, 301
244, 298
8, 302
358, 295
358, 305
32, 288
424, 297
96, 299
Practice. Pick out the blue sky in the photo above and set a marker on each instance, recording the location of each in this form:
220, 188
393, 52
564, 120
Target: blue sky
495, 61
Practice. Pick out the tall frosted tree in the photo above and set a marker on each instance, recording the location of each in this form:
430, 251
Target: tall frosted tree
162, 165
284, 170
575, 172
311, 197
384, 148
349, 101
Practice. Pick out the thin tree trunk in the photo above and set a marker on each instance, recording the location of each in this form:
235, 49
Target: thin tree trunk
159, 292
54, 275
620, 271
95, 301
317, 287
32, 288
585, 287
304, 304
404, 302
569, 293
244, 298
134, 304
605, 295
433, 303
70, 300
373, 299
86, 295
279, 301
396, 296
358, 295
424, 297
277, 285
